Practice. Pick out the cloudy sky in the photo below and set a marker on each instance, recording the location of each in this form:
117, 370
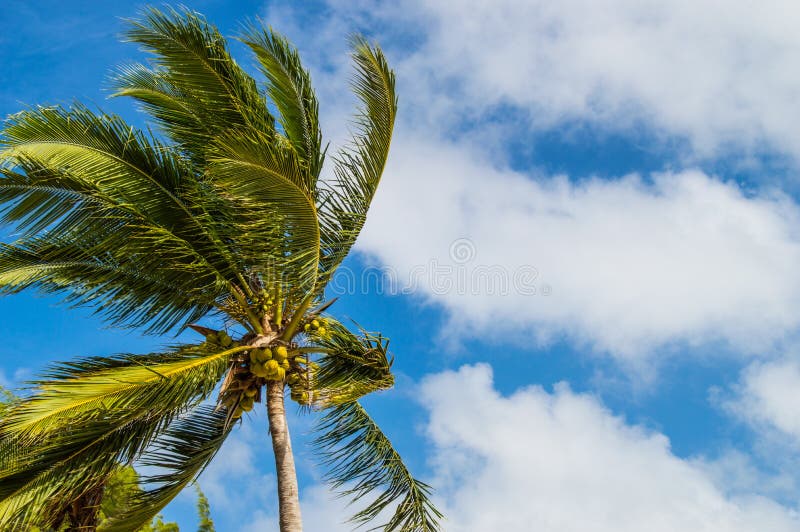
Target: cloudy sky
585, 249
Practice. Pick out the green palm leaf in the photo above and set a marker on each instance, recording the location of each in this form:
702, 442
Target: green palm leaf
192, 59
358, 168
182, 452
349, 366
272, 210
362, 460
290, 89
91, 414
117, 389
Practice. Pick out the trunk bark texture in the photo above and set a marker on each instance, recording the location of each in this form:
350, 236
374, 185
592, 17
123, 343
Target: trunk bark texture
288, 494
83, 513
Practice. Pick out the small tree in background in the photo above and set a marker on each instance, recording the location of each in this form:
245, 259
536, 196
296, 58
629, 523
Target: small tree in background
204, 512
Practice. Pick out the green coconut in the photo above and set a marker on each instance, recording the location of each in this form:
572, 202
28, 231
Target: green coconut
259, 370
246, 403
280, 353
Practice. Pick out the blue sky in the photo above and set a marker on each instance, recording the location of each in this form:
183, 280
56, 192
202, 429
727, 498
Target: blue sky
640, 158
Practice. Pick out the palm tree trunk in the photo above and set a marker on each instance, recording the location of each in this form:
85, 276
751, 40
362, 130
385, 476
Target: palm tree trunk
83, 513
288, 494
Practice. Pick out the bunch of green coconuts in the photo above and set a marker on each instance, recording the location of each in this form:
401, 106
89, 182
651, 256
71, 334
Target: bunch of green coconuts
277, 362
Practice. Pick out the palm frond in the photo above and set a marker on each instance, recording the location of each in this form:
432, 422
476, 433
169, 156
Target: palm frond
181, 117
90, 415
97, 183
349, 366
38, 480
181, 452
362, 460
193, 67
358, 168
290, 90
103, 153
271, 208
117, 389
142, 290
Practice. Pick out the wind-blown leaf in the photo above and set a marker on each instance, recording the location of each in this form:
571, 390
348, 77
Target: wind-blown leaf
194, 66
120, 388
90, 415
358, 168
362, 461
349, 366
182, 452
290, 89
272, 208
95, 179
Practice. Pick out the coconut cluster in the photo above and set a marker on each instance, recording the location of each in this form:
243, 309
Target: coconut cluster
247, 400
317, 327
270, 364
280, 362
299, 380
221, 339
267, 303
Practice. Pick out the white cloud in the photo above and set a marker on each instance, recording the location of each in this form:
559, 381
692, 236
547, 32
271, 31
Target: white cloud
320, 508
632, 265
720, 75
561, 462
768, 397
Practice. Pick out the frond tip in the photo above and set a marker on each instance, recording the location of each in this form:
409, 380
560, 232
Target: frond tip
362, 460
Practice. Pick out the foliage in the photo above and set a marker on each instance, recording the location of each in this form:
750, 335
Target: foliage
120, 492
204, 512
220, 214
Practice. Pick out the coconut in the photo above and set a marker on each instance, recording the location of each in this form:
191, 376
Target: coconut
271, 366
315, 323
251, 392
267, 354
280, 353
285, 365
281, 374
255, 356
307, 327
246, 404
259, 370
321, 331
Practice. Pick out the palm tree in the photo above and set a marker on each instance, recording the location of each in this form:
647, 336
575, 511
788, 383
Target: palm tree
224, 217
